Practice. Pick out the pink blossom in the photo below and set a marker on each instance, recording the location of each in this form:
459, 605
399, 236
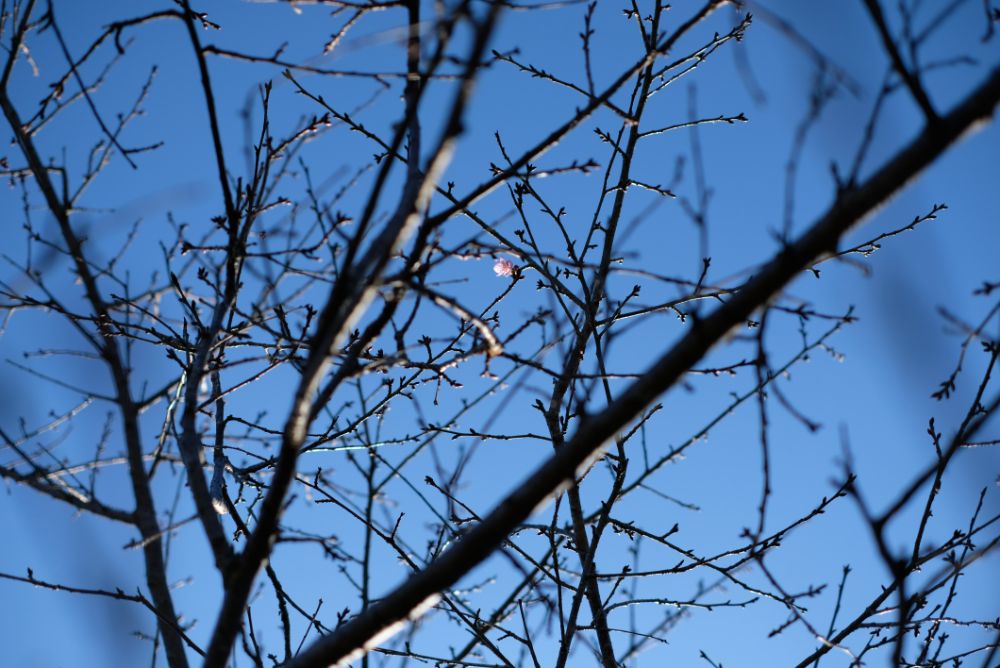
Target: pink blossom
504, 267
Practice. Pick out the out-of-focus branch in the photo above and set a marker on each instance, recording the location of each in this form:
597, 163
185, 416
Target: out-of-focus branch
145, 510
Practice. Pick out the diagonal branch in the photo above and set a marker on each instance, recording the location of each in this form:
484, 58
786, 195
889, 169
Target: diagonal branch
418, 592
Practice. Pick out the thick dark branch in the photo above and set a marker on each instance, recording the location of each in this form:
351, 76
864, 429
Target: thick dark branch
419, 591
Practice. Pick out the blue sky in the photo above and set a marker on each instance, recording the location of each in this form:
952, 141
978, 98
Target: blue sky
872, 389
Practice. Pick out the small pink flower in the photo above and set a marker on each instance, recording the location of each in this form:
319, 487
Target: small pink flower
504, 267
